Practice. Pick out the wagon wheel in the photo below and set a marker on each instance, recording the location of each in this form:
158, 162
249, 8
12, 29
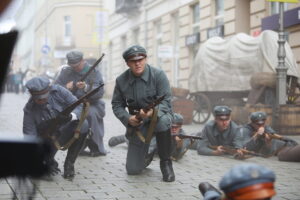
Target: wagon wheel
202, 108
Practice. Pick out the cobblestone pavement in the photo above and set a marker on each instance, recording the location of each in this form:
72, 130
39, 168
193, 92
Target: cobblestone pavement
105, 177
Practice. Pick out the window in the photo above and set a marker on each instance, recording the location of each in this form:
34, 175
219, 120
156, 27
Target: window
136, 35
68, 27
196, 17
158, 42
124, 47
219, 12
175, 44
110, 60
274, 7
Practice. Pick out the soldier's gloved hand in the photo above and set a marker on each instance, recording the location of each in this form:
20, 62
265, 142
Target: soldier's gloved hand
64, 118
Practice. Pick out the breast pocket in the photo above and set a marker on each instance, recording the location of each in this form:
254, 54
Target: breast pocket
150, 94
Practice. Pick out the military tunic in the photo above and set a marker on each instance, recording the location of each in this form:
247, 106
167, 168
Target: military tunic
59, 98
97, 106
259, 145
135, 93
212, 136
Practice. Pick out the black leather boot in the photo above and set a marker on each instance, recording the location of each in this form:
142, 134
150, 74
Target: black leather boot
164, 151
205, 187
73, 151
115, 140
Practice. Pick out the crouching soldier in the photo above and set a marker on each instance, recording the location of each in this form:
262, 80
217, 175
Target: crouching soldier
45, 104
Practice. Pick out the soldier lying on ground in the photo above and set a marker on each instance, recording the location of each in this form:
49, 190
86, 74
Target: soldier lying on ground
219, 133
46, 102
261, 138
179, 145
242, 182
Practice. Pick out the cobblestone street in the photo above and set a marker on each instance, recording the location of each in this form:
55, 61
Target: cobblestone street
105, 177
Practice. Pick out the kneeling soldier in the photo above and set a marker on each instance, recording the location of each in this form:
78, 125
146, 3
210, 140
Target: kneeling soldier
46, 102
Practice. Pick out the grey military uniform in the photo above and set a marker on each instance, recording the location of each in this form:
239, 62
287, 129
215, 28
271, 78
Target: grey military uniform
259, 145
97, 106
59, 98
212, 136
136, 93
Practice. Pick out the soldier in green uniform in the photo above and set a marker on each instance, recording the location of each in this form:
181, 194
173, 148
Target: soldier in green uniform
261, 138
219, 132
136, 88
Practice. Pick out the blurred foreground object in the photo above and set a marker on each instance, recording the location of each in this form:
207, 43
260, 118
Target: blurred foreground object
246, 181
23, 157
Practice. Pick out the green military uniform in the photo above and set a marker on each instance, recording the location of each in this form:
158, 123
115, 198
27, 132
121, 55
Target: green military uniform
136, 93
212, 136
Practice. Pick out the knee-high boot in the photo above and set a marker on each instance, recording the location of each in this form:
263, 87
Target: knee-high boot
73, 151
164, 151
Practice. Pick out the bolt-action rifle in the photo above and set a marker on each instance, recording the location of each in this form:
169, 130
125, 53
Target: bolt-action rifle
233, 151
88, 72
48, 127
148, 107
183, 136
130, 129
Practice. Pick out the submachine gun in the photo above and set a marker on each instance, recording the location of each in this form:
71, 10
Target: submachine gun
49, 127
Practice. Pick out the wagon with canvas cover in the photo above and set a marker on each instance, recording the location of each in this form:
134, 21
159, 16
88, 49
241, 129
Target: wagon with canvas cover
223, 70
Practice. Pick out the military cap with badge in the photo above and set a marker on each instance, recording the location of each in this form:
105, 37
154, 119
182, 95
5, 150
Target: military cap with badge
222, 112
248, 181
258, 117
135, 52
74, 58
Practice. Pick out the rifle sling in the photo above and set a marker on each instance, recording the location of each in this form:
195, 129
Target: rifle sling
76, 135
150, 130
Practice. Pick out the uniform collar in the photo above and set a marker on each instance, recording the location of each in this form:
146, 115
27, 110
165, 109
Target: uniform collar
144, 77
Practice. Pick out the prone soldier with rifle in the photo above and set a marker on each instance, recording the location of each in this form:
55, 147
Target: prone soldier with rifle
79, 78
180, 141
261, 138
136, 88
220, 132
54, 114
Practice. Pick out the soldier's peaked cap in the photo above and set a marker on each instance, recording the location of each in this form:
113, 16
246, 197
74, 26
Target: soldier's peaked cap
38, 87
74, 57
248, 181
258, 117
134, 52
177, 118
221, 110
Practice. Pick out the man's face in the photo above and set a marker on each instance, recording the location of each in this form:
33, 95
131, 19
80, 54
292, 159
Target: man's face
41, 101
137, 66
175, 128
78, 68
257, 125
222, 122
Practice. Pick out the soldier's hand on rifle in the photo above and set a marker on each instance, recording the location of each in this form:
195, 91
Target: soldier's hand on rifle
80, 84
179, 142
219, 151
133, 121
146, 115
64, 118
69, 85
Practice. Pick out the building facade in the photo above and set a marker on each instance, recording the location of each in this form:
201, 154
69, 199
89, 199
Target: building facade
172, 31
